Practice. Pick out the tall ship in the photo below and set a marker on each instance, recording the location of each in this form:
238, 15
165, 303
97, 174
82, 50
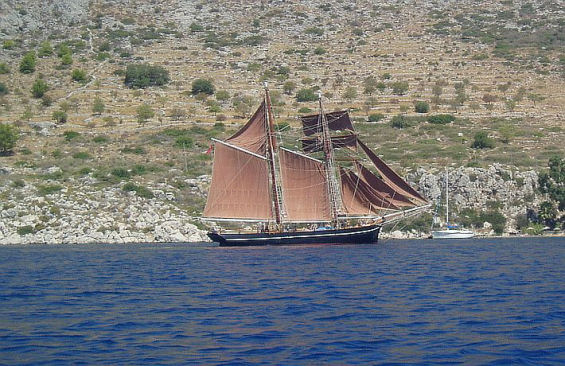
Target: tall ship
262, 193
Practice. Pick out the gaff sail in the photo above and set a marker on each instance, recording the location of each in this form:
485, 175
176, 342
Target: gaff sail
240, 185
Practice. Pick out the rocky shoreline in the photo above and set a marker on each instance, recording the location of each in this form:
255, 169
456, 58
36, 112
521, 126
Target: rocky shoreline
83, 212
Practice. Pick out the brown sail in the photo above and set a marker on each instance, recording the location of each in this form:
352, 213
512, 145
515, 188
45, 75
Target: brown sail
337, 121
315, 144
387, 192
252, 136
356, 191
304, 190
240, 185
390, 177
354, 200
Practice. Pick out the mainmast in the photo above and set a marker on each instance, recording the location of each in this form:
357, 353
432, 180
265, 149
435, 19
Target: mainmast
271, 146
333, 185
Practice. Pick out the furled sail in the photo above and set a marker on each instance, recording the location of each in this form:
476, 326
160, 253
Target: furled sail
387, 192
253, 136
337, 121
240, 185
359, 198
390, 177
314, 144
304, 190
354, 200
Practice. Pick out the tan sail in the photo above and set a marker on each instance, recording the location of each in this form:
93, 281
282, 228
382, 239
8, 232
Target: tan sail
240, 185
304, 187
253, 136
390, 177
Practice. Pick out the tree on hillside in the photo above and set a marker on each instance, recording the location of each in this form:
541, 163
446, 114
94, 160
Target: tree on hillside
27, 65
145, 75
9, 135
369, 85
399, 87
350, 93
45, 49
482, 141
98, 106
552, 182
144, 113
39, 88
202, 86
306, 95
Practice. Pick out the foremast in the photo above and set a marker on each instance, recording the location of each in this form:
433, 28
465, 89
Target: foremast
271, 147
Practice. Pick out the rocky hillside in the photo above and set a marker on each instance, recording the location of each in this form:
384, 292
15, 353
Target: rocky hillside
495, 68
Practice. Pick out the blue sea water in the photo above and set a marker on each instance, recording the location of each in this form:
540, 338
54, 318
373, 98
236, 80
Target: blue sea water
487, 301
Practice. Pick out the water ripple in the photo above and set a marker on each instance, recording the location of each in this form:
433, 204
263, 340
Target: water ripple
493, 302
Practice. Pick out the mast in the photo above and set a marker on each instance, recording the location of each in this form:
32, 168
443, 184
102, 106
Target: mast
447, 196
271, 146
333, 185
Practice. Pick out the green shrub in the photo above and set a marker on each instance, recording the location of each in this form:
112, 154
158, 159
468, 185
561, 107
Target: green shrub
304, 110
145, 75
120, 173
39, 88
399, 87
482, 141
45, 49
79, 76
139, 190
47, 189
144, 112
82, 155
138, 150
441, 119
66, 59
60, 117
24, 230
8, 44
27, 65
202, 86
306, 95
4, 68
184, 142
421, 107
3, 89
9, 135
100, 139
376, 117
69, 135
400, 121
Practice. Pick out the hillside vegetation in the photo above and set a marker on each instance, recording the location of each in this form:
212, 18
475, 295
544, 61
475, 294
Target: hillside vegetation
74, 80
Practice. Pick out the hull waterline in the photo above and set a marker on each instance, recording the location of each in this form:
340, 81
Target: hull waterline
359, 235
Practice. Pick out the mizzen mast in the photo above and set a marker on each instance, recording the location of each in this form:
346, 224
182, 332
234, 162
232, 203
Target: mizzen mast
334, 192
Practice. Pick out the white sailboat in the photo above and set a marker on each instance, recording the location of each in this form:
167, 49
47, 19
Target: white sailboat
450, 231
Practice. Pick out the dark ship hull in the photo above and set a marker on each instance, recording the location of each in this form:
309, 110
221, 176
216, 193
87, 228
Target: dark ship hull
358, 235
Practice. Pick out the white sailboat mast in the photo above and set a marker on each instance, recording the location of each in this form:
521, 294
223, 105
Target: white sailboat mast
447, 196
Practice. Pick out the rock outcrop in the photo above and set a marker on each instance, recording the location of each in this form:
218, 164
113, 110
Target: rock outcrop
81, 211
